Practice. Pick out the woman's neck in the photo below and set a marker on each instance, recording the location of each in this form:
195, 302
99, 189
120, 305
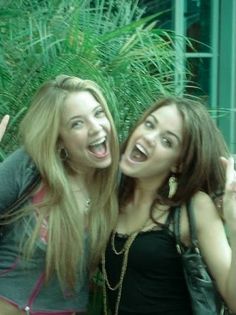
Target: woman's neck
85, 174
145, 190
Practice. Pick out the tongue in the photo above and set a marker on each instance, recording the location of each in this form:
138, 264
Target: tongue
99, 150
138, 156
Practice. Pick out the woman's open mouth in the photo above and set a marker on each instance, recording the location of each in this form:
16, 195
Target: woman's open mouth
139, 154
99, 148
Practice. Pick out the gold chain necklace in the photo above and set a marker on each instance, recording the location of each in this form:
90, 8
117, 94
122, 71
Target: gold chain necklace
113, 244
118, 286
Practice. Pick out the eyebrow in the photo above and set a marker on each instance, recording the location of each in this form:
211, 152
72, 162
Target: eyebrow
168, 131
80, 116
73, 118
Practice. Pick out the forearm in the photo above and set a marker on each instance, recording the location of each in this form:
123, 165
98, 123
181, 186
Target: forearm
231, 280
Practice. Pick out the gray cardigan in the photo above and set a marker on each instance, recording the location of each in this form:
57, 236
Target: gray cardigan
17, 174
22, 282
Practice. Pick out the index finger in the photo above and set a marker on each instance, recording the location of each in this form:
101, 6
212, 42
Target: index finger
230, 171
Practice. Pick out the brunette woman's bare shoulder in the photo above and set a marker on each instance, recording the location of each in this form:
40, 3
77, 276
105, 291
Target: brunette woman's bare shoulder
204, 210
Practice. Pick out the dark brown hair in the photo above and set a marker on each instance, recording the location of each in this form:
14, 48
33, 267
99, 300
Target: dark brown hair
203, 145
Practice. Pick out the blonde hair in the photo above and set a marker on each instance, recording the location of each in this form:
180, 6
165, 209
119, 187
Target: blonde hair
66, 231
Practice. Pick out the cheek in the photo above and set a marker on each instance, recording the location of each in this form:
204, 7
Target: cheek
72, 141
164, 161
107, 125
169, 159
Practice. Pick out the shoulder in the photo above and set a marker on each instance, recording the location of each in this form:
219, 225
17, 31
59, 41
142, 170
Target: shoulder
19, 156
17, 172
17, 164
201, 199
204, 212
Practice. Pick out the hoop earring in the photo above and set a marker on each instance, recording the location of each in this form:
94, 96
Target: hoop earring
172, 186
63, 154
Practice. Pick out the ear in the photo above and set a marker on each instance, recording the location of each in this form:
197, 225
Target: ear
177, 168
60, 144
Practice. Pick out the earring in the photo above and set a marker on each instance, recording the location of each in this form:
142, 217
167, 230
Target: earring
63, 154
172, 186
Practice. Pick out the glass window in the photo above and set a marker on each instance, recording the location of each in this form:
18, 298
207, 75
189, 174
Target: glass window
197, 17
166, 9
198, 83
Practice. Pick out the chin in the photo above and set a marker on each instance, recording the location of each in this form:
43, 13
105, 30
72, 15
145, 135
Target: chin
104, 164
125, 170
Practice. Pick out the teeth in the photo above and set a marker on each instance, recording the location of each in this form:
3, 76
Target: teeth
141, 149
98, 141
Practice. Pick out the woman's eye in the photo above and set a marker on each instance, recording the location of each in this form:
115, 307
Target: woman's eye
99, 113
148, 124
167, 142
77, 124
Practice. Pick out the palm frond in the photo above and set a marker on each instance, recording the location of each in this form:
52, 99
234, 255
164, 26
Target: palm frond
109, 42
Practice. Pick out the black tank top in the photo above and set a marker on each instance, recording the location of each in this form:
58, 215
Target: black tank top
154, 282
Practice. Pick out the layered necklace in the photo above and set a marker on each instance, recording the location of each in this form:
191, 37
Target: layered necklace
118, 285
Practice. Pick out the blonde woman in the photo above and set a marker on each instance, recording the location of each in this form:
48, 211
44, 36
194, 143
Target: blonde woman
57, 200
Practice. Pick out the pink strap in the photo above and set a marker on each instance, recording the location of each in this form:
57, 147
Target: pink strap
38, 197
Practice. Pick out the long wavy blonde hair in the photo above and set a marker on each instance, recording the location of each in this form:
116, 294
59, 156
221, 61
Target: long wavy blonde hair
66, 231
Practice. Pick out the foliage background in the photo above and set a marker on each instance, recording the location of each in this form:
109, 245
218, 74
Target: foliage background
109, 42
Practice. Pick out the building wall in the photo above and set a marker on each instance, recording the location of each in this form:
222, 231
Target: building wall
212, 58
227, 70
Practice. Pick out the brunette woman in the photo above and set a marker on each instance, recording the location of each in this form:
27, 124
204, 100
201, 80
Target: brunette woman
172, 156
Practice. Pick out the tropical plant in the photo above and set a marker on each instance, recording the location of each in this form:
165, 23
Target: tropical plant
106, 41
110, 42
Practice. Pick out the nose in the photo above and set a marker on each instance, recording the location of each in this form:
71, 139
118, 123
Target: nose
94, 126
150, 138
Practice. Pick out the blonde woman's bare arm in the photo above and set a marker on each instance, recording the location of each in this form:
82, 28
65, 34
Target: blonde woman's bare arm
3, 125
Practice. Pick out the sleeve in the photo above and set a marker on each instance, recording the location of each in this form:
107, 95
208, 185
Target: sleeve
13, 177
